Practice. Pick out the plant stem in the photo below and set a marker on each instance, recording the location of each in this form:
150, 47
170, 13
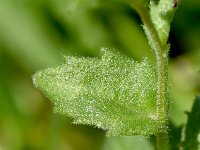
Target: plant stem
162, 101
162, 72
162, 141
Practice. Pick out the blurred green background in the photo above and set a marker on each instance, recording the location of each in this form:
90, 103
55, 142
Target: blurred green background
35, 34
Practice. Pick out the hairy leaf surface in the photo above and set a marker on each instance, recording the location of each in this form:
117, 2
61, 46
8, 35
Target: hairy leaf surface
113, 92
162, 15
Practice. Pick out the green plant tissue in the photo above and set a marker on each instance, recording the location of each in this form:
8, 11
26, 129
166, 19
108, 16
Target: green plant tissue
113, 92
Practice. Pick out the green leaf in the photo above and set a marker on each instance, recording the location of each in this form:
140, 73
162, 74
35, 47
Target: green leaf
113, 92
162, 13
192, 129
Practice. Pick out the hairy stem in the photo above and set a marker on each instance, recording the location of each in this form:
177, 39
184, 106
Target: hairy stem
162, 91
162, 72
